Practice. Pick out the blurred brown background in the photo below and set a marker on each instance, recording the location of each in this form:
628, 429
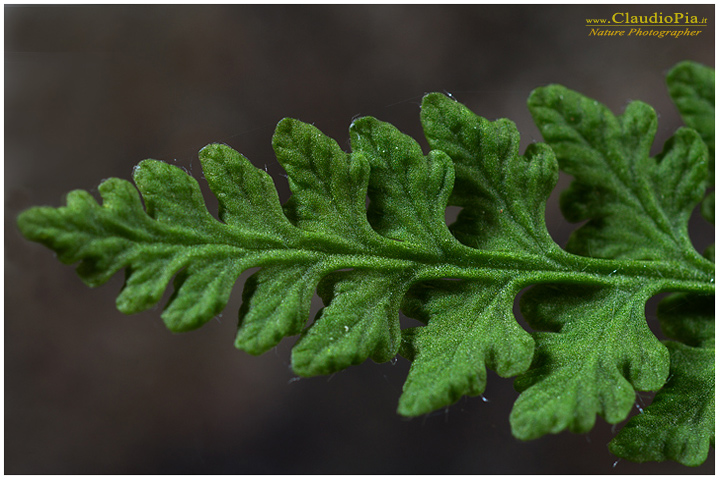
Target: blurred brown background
90, 91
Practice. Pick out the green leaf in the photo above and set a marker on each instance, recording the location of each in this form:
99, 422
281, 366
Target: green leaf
175, 236
276, 304
361, 321
321, 230
598, 351
592, 349
679, 425
246, 196
692, 88
469, 325
688, 318
408, 192
618, 188
328, 185
503, 194
595, 351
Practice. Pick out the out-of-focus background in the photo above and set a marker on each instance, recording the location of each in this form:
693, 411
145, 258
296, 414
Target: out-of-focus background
92, 90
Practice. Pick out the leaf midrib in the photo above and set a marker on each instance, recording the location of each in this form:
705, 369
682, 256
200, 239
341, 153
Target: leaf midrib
559, 266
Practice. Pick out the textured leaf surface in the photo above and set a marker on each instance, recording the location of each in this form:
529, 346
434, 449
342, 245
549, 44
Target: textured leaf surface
637, 207
328, 185
680, 423
174, 235
408, 191
598, 351
490, 174
323, 228
692, 88
276, 304
602, 353
469, 325
591, 349
361, 321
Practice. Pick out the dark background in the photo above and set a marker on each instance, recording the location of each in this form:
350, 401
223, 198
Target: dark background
91, 91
